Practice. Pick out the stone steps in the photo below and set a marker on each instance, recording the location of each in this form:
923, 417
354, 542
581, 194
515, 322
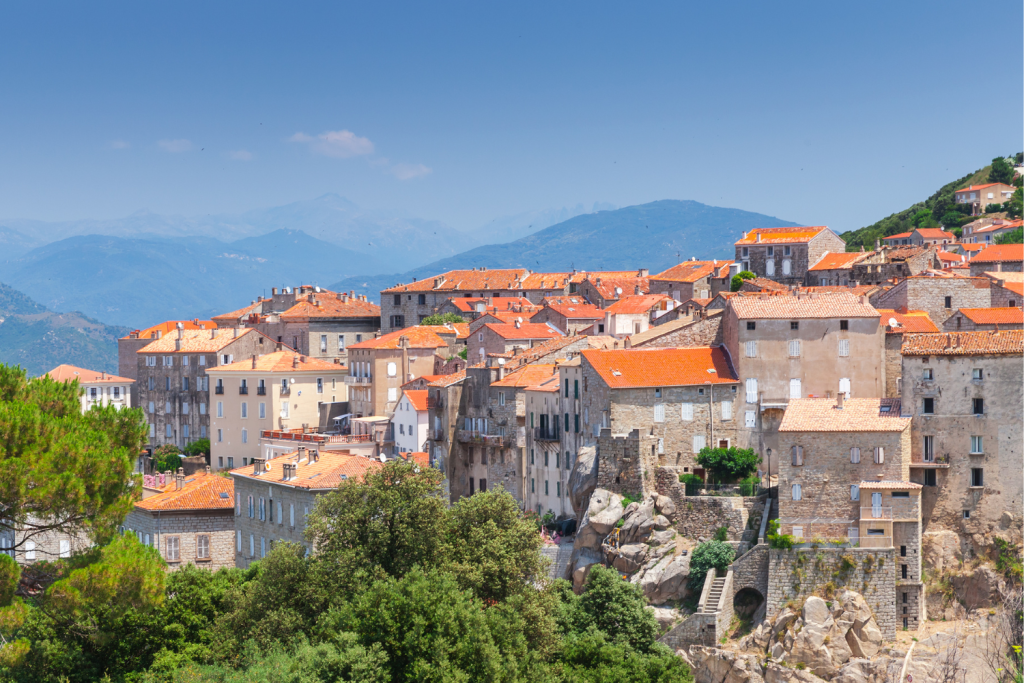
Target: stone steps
715, 595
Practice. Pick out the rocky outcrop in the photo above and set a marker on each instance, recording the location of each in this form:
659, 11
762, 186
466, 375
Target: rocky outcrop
979, 588
603, 512
941, 550
583, 480
712, 665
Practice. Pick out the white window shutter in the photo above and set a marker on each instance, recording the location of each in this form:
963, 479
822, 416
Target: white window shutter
698, 443
797, 492
794, 388
794, 348
844, 386
659, 412
844, 348
769, 267
752, 390
726, 410
686, 412
750, 420
751, 349
787, 266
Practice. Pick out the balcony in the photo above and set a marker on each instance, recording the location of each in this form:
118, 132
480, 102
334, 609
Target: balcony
243, 390
435, 434
547, 434
357, 380
218, 389
874, 542
285, 390
435, 403
877, 512
261, 391
481, 439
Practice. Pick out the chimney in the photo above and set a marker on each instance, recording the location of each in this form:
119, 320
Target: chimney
179, 479
254, 361
758, 238
181, 330
273, 291
627, 343
177, 344
295, 361
636, 290
159, 334
301, 454
518, 322
314, 455
235, 330
839, 400
642, 272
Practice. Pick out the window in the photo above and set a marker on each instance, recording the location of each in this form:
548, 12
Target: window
245, 409
152, 407
751, 349
152, 430
794, 388
392, 394
152, 383
231, 462
167, 407
245, 436
284, 409
967, 514
202, 409
928, 374
794, 324
263, 546
949, 302
976, 373
726, 410
746, 252
659, 412
547, 490
202, 360
398, 299
854, 492
151, 361
252, 508
657, 392
929, 477
220, 409
220, 436
172, 551
855, 455
977, 477
291, 514
567, 387
769, 267
167, 383
698, 443
575, 388
749, 419
844, 324
903, 570
421, 299
787, 251
202, 547
501, 398
797, 453
533, 486
979, 406
929, 406
557, 460
794, 348
184, 430
787, 266
751, 325
238, 536
184, 383
976, 448
576, 423
480, 336
319, 385
879, 455
771, 251
392, 369
167, 432
263, 411
844, 348
797, 495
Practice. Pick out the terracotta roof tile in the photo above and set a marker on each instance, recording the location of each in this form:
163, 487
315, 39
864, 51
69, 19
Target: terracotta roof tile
636, 304
578, 277
691, 271
856, 291
168, 326
469, 304
417, 397
946, 257
331, 305
281, 361
840, 259
662, 367
976, 187
765, 283
889, 486
546, 281
509, 316
582, 310
1010, 342
911, 321
466, 281
999, 253
900, 236
330, 469
419, 457
609, 284
68, 373
857, 415
790, 235
448, 380
528, 375
827, 305
201, 492
232, 317
994, 316
995, 227
524, 331
935, 234
538, 351
419, 336
195, 341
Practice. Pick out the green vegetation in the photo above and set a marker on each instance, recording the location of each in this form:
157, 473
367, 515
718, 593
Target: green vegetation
728, 464
750, 485
1012, 237
463, 354
738, 278
1001, 171
442, 318
198, 447
166, 457
692, 482
777, 540
402, 587
709, 556
722, 534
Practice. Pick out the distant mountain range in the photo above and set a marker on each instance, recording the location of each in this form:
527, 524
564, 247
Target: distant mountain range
39, 340
654, 236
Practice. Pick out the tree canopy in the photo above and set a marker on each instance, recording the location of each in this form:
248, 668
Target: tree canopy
728, 464
738, 278
1001, 171
442, 318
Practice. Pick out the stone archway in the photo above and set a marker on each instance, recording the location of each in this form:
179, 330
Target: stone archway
746, 602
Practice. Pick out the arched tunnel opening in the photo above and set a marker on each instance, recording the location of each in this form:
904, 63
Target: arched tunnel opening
746, 602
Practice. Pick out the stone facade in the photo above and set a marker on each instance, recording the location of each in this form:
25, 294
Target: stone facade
893, 364
886, 264
702, 516
185, 527
706, 332
795, 574
939, 296
1005, 297
796, 257
285, 509
962, 322
627, 462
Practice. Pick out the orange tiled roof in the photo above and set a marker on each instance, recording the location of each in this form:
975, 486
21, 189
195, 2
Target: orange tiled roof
1005, 225
789, 235
169, 326
417, 397
1000, 252
964, 343
765, 283
201, 491
232, 317
329, 470
480, 280
419, 336
545, 281
68, 373
857, 291
281, 361
527, 376
606, 288
839, 259
195, 341
857, 415
641, 303
524, 331
910, 321
994, 316
419, 457
468, 304
900, 236
935, 234
827, 305
946, 257
627, 368
326, 304
447, 380
537, 351
508, 316
582, 310
977, 187
889, 485
578, 277
691, 271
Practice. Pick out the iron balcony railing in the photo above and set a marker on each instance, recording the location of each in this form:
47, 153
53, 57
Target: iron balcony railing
551, 433
261, 391
243, 390
218, 389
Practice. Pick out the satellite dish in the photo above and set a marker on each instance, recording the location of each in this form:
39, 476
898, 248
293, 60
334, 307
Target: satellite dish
519, 320
383, 458
266, 466
618, 290
892, 322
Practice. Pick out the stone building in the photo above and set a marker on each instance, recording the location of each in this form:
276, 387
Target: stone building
174, 389
570, 315
844, 475
98, 388
693, 280
931, 236
444, 400
800, 345
706, 331
128, 346
315, 322
635, 314
835, 269
884, 265
963, 390
785, 254
490, 338
1007, 289
280, 390
274, 497
678, 400
938, 294
998, 257
605, 288
984, 231
380, 366
906, 322
188, 519
969, 319
471, 308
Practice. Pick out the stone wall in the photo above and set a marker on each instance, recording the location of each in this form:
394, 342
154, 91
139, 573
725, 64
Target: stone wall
626, 462
285, 519
697, 629
751, 571
701, 516
929, 294
893, 364
1001, 298
156, 529
796, 574
706, 332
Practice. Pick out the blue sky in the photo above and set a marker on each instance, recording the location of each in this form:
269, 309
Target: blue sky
820, 113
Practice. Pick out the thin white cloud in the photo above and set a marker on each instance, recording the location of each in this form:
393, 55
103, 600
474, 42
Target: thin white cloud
340, 144
118, 144
175, 146
404, 171
240, 155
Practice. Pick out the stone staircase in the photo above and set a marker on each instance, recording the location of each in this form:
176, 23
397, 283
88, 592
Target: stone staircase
715, 595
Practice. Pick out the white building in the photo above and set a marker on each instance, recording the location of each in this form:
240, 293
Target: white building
98, 388
409, 423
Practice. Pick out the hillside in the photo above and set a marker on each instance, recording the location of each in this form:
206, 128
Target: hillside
653, 236
143, 281
39, 340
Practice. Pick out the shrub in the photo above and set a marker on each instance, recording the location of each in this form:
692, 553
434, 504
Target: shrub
167, 457
729, 464
710, 555
749, 486
722, 534
780, 541
692, 482
628, 498
737, 280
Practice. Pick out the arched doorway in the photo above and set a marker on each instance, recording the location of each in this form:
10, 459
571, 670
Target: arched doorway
746, 602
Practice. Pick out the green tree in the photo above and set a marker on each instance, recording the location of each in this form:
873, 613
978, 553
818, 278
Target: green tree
1012, 237
923, 219
738, 278
1002, 171
728, 464
614, 606
60, 469
442, 318
198, 447
594, 657
166, 457
708, 556
1013, 207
